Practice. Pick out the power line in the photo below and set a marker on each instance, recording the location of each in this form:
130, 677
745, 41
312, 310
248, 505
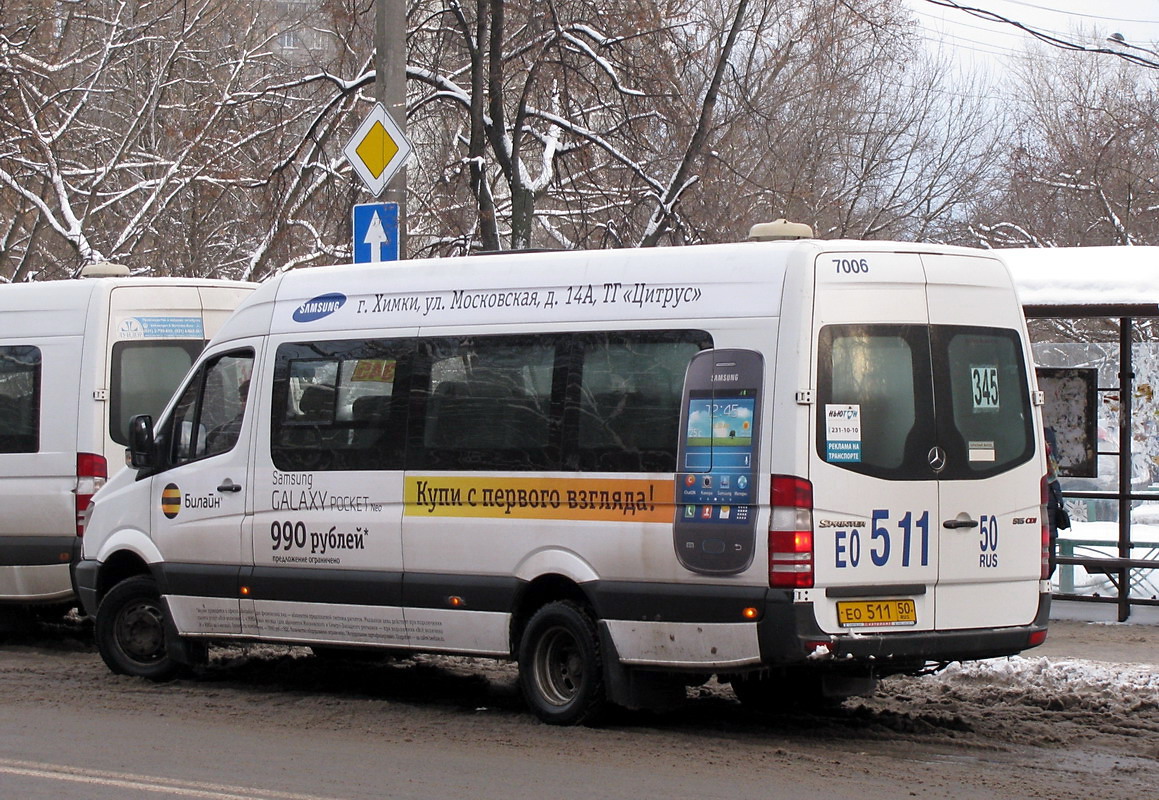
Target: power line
942, 35
972, 45
978, 45
995, 31
1080, 13
1049, 38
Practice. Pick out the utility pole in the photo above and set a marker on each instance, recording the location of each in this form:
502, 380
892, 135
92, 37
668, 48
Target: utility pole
390, 90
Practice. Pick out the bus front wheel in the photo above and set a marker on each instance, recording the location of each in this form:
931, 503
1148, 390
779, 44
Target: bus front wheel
130, 630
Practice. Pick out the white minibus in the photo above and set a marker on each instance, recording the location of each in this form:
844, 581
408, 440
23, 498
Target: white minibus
78, 359
798, 466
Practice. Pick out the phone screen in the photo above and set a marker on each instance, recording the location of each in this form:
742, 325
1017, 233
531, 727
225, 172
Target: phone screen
718, 457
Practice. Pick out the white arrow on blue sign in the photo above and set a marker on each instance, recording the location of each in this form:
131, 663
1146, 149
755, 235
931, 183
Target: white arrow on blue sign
375, 233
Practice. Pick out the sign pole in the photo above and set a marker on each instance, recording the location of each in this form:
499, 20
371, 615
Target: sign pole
390, 90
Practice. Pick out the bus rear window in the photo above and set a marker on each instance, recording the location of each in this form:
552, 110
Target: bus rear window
983, 400
876, 406
890, 394
144, 376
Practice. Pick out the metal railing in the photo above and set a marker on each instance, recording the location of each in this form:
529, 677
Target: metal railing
1128, 580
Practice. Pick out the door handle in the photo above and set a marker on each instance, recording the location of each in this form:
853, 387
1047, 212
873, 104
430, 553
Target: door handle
229, 486
961, 521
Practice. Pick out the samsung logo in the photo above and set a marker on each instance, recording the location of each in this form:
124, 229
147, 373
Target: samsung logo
728, 376
321, 306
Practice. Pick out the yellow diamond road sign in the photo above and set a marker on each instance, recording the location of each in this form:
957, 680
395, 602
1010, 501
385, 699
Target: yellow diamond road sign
378, 149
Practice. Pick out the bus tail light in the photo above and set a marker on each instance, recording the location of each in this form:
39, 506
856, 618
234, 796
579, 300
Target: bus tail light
91, 473
791, 533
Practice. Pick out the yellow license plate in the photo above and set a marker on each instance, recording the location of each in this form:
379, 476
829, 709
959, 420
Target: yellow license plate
876, 613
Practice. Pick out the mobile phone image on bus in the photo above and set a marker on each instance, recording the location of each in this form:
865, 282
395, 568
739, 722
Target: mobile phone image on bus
716, 479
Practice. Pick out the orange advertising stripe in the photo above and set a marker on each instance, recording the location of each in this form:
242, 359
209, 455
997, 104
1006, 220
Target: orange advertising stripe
604, 499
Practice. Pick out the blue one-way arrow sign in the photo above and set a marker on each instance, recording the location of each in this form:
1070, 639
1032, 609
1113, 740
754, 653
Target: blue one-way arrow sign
375, 233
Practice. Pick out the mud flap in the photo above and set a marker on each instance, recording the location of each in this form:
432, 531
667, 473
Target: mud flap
635, 689
187, 652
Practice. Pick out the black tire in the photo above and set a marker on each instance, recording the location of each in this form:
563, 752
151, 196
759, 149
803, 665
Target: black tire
561, 668
130, 630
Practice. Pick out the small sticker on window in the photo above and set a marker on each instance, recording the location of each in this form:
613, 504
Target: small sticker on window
842, 432
982, 451
160, 328
984, 384
380, 370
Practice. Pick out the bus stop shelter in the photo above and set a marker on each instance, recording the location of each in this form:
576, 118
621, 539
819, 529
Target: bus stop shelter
1093, 315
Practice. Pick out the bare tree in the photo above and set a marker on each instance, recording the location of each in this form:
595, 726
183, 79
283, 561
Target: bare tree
204, 137
161, 134
833, 115
1084, 165
540, 101
633, 123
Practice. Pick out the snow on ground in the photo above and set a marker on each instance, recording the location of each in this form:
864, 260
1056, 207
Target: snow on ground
1118, 686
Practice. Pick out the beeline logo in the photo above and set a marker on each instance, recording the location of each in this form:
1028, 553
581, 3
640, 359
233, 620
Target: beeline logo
318, 307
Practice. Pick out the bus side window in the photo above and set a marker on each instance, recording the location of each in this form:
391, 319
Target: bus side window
19, 399
489, 403
335, 405
629, 399
211, 400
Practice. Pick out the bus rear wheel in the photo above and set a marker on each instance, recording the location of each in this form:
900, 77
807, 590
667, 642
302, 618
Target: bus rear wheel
130, 630
561, 670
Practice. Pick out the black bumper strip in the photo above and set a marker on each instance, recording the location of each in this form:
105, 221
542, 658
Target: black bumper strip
36, 551
84, 577
472, 592
305, 585
679, 602
198, 580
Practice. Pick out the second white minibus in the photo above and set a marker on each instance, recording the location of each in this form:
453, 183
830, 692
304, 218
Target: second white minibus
78, 359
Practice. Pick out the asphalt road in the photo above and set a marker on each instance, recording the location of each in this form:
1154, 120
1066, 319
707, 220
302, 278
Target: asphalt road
270, 723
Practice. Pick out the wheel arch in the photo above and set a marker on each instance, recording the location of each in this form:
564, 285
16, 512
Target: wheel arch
547, 574
118, 566
539, 592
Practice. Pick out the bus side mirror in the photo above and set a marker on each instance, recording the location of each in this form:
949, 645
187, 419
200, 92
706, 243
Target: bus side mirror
141, 446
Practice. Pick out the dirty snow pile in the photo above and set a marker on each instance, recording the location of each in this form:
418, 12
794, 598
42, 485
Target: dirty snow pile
1049, 682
